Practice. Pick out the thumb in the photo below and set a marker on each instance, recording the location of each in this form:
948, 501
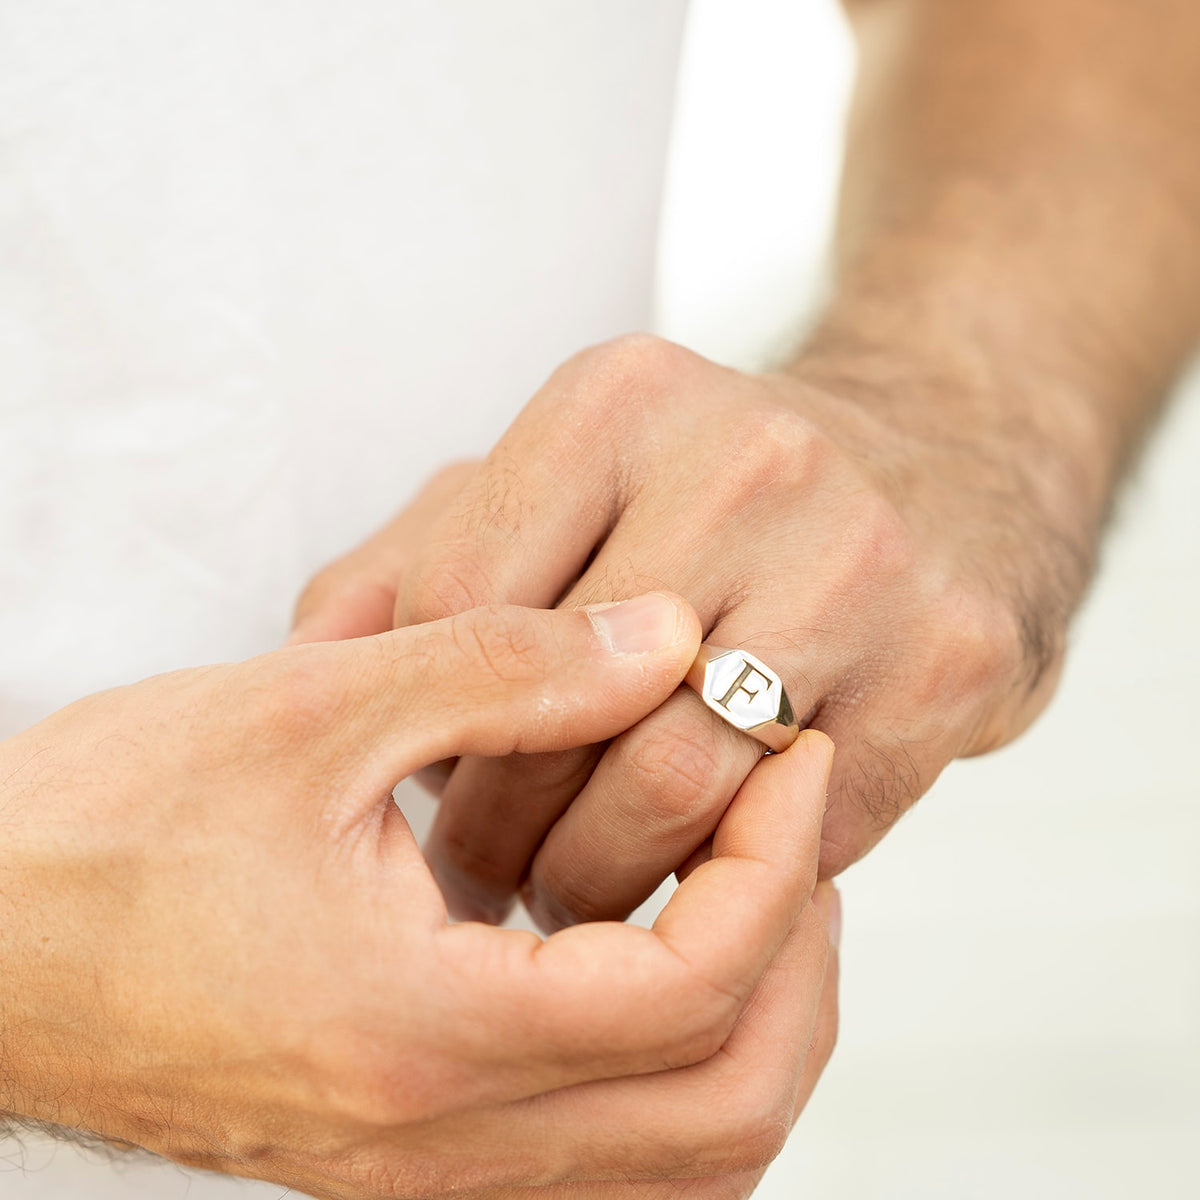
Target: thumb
502, 679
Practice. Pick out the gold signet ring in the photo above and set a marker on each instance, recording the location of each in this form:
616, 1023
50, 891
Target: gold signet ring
744, 691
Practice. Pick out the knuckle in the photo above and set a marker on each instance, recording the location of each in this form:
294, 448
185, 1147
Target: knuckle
570, 892
367, 1098
986, 647
290, 702
766, 449
674, 775
775, 451
704, 1025
696, 1042
757, 1149
635, 368
878, 536
988, 663
771, 434
978, 648
633, 356
772, 453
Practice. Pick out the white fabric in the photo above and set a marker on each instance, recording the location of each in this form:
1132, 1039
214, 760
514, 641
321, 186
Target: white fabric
262, 267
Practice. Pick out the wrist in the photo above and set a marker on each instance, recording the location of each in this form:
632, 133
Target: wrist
937, 353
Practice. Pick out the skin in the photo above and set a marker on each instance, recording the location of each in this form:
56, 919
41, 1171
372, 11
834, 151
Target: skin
220, 941
902, 519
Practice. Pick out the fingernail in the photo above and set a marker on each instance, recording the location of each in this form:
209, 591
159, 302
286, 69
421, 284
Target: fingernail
636, 626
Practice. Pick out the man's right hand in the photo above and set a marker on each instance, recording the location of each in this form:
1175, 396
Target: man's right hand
221, 942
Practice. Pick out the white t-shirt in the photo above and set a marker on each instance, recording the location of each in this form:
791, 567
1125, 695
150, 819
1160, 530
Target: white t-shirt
263, 267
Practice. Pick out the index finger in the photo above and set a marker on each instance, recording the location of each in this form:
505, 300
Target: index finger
604, 1000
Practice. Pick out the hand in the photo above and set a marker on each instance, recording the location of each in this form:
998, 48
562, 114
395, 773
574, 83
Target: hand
888, 574
221, 943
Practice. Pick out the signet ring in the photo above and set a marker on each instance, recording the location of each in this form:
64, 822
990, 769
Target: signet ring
742, 690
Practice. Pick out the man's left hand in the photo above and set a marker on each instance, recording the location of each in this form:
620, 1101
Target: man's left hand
882, 570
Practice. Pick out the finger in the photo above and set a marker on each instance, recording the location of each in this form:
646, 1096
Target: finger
489, 682
667, 1125
355, 596
525, 526
659, 1126
656, 795
492, 813
761, 874
646, 802
627, 1000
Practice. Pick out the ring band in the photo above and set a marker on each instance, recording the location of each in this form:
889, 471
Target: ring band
742, 690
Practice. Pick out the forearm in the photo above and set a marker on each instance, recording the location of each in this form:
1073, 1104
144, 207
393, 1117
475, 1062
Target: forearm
1018, 256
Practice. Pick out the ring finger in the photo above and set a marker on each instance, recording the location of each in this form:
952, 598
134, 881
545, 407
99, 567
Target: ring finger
654, 798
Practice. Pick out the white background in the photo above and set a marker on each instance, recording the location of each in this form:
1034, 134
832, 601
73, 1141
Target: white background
1021, 986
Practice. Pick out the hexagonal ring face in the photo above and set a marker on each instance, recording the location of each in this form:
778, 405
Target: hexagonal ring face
744, 691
